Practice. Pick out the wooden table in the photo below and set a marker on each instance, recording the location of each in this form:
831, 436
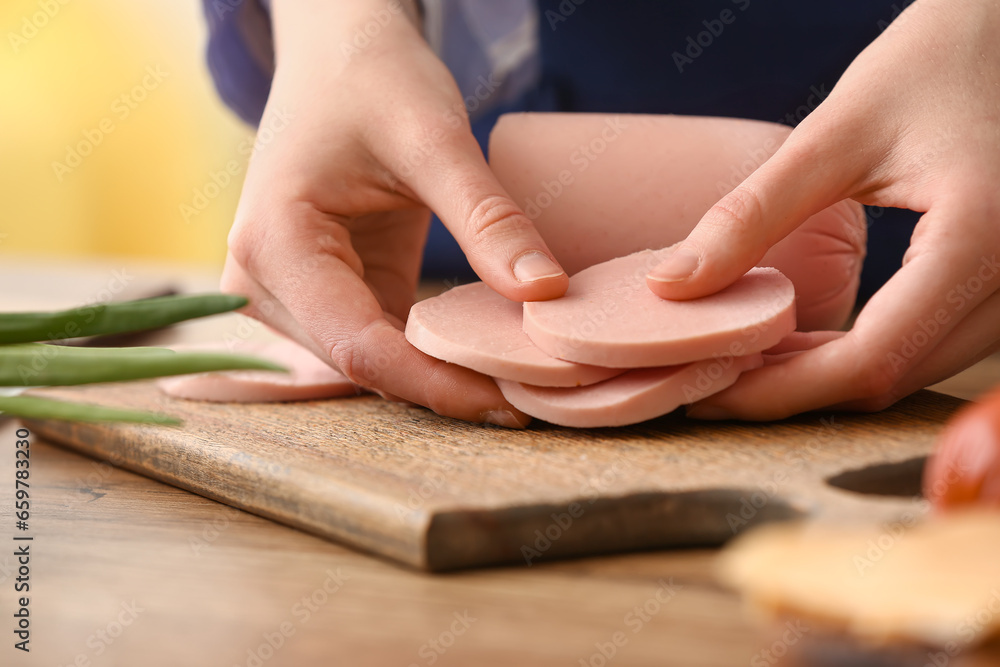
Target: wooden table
128, 571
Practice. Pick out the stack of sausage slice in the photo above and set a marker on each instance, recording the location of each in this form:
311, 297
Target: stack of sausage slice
609, 352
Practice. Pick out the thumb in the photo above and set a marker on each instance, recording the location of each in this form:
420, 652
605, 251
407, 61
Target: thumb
802, 178
500, 241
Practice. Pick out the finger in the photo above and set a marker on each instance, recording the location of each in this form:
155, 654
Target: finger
799, 341
807, 174
976, 337
390, 245
501, 243
326, 303
894, 334
263, 306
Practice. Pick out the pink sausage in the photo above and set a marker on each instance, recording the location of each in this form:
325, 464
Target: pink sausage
600, 186
475, 327
629, 398
608, 317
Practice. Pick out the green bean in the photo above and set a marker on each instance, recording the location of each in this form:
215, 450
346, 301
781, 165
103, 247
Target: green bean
37, 364
33, 407
112, 318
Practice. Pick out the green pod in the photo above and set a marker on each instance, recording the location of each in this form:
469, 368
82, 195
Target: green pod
113, 318
38, 364
33, 407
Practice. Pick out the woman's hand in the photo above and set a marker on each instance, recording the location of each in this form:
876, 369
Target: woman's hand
335, 209
913, 123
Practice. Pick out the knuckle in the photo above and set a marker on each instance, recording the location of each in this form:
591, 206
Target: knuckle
737, 214
235, 280
495, 216
245, 241
231, 281
348, 356
876, 377
369, 356
878, 403
442, 404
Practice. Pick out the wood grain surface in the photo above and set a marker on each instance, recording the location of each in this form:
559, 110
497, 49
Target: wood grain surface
219, 587
440, 494
215, 585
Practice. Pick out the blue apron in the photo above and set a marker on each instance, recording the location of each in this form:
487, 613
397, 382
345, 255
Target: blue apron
771, 60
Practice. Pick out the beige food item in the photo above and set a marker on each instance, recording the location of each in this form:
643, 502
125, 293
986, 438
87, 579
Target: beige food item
937, 583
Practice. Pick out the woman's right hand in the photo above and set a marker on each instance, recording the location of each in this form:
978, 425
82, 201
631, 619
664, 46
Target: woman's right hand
335, 208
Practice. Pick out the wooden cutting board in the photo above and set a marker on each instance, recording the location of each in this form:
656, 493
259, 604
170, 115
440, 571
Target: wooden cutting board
439, 494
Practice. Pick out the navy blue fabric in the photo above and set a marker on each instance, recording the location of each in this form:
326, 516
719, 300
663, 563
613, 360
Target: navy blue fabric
769, 60
240, 81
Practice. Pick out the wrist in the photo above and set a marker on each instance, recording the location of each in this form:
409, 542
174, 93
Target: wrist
314, 27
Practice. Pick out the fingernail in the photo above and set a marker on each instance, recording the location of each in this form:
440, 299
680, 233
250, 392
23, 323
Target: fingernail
708, 412
681, 264
534, 265
503, 418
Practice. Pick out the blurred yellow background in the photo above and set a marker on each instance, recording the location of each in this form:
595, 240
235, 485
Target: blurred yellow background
111, 131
